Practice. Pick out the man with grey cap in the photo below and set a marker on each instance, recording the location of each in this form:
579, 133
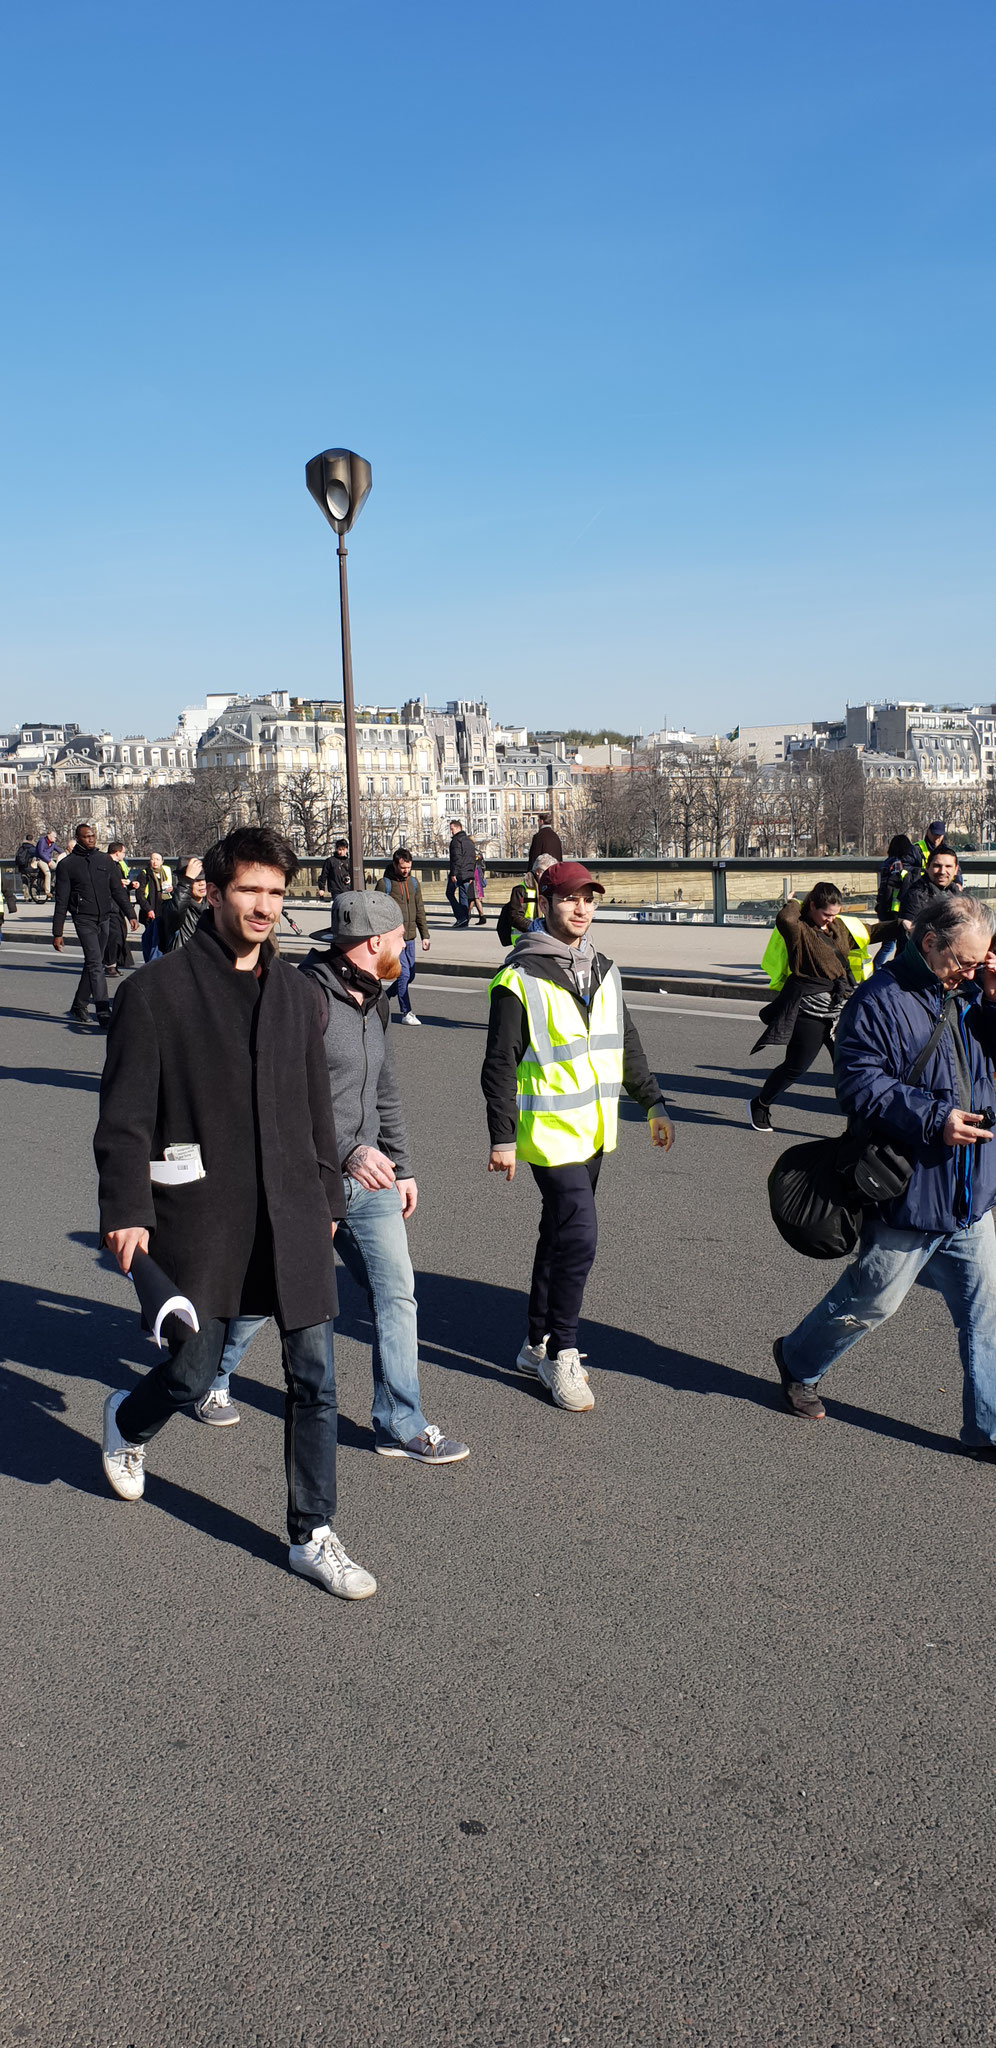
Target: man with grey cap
353, 975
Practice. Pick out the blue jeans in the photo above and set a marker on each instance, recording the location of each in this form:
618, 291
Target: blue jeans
458, 895
373, 1246
963, 1269
885, 953
407, 970
310, 1412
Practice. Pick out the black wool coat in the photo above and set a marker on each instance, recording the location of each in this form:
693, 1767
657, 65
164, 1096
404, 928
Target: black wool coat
193, 1046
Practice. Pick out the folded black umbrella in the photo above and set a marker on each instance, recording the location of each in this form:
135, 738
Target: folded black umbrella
158, 1297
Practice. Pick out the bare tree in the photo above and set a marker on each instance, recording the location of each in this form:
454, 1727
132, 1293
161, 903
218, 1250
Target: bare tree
20, 819
842, 800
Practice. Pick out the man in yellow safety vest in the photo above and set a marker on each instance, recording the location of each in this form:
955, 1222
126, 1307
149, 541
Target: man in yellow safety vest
561, 1048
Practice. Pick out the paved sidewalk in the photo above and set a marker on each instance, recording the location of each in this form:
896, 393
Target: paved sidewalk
698, 959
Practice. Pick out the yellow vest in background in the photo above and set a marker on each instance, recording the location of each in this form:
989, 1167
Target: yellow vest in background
774, 959
568, 1084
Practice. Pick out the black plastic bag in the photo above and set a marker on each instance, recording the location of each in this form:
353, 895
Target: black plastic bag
814, 1204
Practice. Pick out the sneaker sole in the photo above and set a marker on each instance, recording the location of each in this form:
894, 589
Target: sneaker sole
218, 1421
569, 1407
759, 1130
337, 1593
414, 1458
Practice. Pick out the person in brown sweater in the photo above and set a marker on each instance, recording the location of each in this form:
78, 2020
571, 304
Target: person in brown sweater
805, 1011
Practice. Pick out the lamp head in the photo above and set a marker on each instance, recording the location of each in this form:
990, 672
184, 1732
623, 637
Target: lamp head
339, 482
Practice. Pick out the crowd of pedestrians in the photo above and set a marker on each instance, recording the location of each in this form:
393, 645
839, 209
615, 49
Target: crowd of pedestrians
250, 1115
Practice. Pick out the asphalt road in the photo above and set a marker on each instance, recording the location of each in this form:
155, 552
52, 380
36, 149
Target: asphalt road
671, 1723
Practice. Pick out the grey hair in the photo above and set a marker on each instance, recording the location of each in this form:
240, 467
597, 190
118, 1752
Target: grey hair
953, 914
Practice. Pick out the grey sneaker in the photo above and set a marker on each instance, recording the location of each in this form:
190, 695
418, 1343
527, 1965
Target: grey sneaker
431, 1448
531, 1356
217, 1407
124, 1463
567, 1381
324, 1560
804, 1401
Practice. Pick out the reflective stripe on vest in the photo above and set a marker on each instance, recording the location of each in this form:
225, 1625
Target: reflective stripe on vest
567, 1085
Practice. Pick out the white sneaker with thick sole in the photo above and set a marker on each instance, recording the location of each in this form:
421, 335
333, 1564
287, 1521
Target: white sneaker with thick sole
410, 1018
531, 1356
218, 1408
567, 1381
324, 1560
124, 1463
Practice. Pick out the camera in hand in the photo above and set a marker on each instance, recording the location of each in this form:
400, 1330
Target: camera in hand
987, 1118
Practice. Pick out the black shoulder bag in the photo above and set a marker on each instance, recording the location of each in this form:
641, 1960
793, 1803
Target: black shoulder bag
818, 1192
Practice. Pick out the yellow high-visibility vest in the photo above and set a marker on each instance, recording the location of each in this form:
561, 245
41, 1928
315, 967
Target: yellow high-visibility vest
531, 906
774, 959
567, 1085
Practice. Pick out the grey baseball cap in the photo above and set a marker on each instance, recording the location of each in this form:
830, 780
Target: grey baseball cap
361, 914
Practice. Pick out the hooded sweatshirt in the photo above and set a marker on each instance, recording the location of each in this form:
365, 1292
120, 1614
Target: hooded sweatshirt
580, 970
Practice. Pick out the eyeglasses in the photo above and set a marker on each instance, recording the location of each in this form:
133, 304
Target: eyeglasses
964, 967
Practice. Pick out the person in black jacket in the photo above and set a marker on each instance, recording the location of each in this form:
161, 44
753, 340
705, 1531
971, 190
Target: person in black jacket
463, 862
216, 1052
87, 885
544, 840
180, 914
940, 879
557, 1007
334, 878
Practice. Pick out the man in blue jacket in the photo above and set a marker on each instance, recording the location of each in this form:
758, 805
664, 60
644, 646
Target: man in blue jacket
944, 1216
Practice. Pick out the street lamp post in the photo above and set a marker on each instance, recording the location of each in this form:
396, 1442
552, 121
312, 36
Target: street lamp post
339, 482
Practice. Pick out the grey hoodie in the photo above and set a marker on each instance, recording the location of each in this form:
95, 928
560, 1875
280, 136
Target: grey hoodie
578, 960
366, 1103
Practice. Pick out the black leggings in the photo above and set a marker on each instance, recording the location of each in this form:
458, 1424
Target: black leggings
565, 1253
809, 1035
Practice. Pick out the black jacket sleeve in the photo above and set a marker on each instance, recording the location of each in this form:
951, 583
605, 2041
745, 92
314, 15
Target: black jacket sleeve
915, 896
640, 1084
62, 881
508, 1036
129, 1102
118, 891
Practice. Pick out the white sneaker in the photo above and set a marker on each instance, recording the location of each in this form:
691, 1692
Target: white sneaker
410, 1018
324, 1559
567, 1381
531, 1356
217, 1407
124, 1463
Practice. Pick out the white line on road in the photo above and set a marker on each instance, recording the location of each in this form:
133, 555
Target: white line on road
457, 988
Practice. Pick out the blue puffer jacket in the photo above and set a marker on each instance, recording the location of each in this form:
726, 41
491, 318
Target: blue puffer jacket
884, 1026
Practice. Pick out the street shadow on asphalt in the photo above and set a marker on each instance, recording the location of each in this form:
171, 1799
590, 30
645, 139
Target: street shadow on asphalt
454, 1312
37, 1016
51, 1077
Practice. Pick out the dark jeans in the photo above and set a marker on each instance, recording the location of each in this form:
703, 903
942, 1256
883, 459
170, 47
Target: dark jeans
93, 933
404, 978
116, 949
565, 1252
310, 1411
458, 896
809, 1035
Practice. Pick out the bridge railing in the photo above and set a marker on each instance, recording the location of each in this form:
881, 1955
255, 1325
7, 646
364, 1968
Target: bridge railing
716, 892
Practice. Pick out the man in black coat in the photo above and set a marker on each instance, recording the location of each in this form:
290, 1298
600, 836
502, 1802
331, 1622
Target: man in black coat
463, 862
940, 879
334, 877
215, 1054
544, 840
87, 885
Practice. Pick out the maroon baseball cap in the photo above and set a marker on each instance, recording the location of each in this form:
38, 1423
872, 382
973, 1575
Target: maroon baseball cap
567, 875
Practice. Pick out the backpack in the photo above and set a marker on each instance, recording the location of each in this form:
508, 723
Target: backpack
818, 1193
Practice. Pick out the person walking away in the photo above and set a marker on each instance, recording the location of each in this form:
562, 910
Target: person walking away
24, 859
901, 863
475, 900
116, 950
404, 887
156, 888
88, 887
561, 1046
47, 853
351, 976
220, 1052
544, 840
335, 876
824, 962
940, 878
180, 914
943, 1219
8, 899
463, 861
522, 911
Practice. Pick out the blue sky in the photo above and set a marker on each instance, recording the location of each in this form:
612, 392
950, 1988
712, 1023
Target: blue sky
667, 330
